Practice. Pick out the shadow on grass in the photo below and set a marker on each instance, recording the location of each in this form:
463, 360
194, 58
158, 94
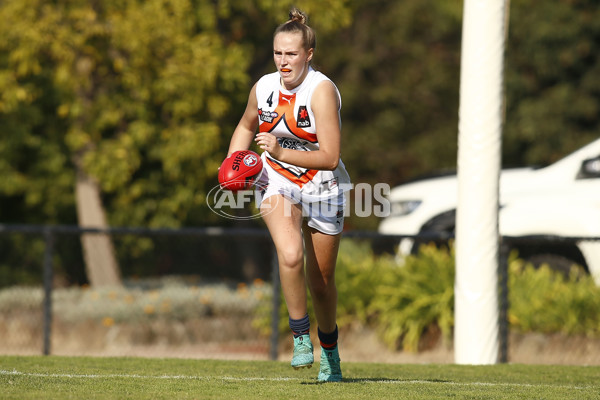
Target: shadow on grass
379, 380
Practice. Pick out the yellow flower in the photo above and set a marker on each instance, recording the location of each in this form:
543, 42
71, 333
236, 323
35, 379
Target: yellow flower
149, 309
108, 321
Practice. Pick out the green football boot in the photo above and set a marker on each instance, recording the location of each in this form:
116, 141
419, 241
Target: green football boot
303, 352
330, 366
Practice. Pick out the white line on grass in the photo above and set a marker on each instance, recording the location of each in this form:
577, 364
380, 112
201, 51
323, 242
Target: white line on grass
135, 376
278, 379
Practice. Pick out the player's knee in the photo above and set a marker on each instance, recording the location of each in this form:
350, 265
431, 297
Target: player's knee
290, 258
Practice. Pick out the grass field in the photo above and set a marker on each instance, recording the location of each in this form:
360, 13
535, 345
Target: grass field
37, 377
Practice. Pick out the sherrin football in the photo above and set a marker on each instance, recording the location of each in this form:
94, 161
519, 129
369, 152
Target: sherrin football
240, 170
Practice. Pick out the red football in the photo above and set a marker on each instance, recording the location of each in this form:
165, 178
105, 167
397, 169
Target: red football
240, 170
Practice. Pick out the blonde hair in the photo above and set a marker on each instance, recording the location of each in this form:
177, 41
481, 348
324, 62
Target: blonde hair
297, 24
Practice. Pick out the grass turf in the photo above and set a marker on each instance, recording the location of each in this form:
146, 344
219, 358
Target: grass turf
34, 377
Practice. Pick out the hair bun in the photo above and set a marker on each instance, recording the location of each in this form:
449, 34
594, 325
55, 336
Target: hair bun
297, 24
297, 15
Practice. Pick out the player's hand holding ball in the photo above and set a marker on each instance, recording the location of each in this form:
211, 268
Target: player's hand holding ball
240, 170
268, 142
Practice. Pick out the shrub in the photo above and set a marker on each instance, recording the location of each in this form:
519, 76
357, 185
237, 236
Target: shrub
171, 299
403, 302
400, 302
543, 300
360, 275
414, 297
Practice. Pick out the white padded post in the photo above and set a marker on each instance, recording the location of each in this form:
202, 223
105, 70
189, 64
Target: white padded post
476, 335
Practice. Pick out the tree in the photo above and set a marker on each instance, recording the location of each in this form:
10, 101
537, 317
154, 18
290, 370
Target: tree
142, 96
552, 80
134, 101
397, 67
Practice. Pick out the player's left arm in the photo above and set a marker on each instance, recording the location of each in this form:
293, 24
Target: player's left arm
325, 105
246, 127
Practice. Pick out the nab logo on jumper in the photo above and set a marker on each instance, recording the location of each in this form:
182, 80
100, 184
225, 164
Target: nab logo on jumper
267, 116
303, 119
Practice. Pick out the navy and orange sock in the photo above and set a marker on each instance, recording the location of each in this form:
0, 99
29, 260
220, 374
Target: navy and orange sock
300, 326
328, 340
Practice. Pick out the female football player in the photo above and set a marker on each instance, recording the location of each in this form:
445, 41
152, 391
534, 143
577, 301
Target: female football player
297, 112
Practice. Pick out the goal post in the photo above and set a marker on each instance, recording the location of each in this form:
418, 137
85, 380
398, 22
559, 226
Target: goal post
476, 334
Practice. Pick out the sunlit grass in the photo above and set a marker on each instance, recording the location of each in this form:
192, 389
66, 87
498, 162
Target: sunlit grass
143, 378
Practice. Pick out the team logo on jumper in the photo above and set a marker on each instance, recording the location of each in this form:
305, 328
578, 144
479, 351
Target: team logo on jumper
250, 160
288, 143
267, 116
303, 118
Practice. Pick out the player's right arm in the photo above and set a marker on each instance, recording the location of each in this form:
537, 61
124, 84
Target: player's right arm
243, 135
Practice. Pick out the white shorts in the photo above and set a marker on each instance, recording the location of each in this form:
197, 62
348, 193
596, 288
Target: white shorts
326, 216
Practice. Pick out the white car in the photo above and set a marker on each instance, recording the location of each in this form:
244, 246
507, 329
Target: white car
562, 199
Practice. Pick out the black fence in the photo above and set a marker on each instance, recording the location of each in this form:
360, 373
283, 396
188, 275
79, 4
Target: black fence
230, 255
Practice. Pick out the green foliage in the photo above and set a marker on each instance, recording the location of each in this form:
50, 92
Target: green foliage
146, 93
401, 302
415, 296
142, 95
404, 301
542, 300
552, 79
29, 262
397, 67
359, 276
408, 56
